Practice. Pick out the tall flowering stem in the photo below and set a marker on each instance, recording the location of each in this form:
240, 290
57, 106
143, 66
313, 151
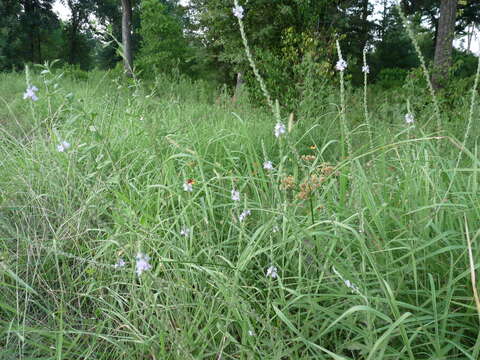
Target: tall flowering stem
366, 71
237, 11
411, 34
342, 99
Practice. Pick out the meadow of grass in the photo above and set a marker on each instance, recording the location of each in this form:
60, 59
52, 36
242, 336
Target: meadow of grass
370, 244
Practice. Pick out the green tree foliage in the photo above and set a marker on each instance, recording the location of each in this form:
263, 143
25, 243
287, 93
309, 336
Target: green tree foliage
75, 34
10, 42
29, 32
37, 22
286, 37
164, 46
394, 49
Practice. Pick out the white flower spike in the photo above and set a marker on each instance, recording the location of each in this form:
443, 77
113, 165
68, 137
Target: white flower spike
366, 69
185, 232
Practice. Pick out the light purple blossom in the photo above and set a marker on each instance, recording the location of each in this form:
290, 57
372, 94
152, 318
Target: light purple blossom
272, 272
267, 165
354, 288
409, 118
120, 263
30, 93
63, 146
366, 69
238, 12
185, 232
243, 215
142, 263
279, 130
235, 195
341, 65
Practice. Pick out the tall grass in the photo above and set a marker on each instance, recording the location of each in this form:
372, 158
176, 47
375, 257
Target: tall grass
379, 273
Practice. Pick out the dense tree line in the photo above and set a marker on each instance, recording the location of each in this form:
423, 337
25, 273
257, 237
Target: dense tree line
292, 38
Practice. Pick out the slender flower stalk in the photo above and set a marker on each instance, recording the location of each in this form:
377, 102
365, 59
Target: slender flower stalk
239, 15
354, 288
342, 68
411, 34
366, 71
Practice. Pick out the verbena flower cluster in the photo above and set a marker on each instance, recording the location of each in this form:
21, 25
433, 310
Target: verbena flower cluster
63, 146
279, 130
272, 272
30, 93
185, 232
243, 215
341, 65
142, 263
267, 165
238, 12
235, 195
409, 118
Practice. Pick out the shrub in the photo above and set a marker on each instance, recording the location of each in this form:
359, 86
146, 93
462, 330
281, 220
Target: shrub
392, 77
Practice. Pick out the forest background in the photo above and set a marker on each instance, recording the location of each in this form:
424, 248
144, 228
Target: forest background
200, 38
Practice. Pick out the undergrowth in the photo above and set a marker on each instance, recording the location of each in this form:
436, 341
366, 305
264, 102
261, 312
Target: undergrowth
369, 247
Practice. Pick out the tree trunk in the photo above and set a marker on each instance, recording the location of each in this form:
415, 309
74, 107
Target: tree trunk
238, 86
444, 44
127, 36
